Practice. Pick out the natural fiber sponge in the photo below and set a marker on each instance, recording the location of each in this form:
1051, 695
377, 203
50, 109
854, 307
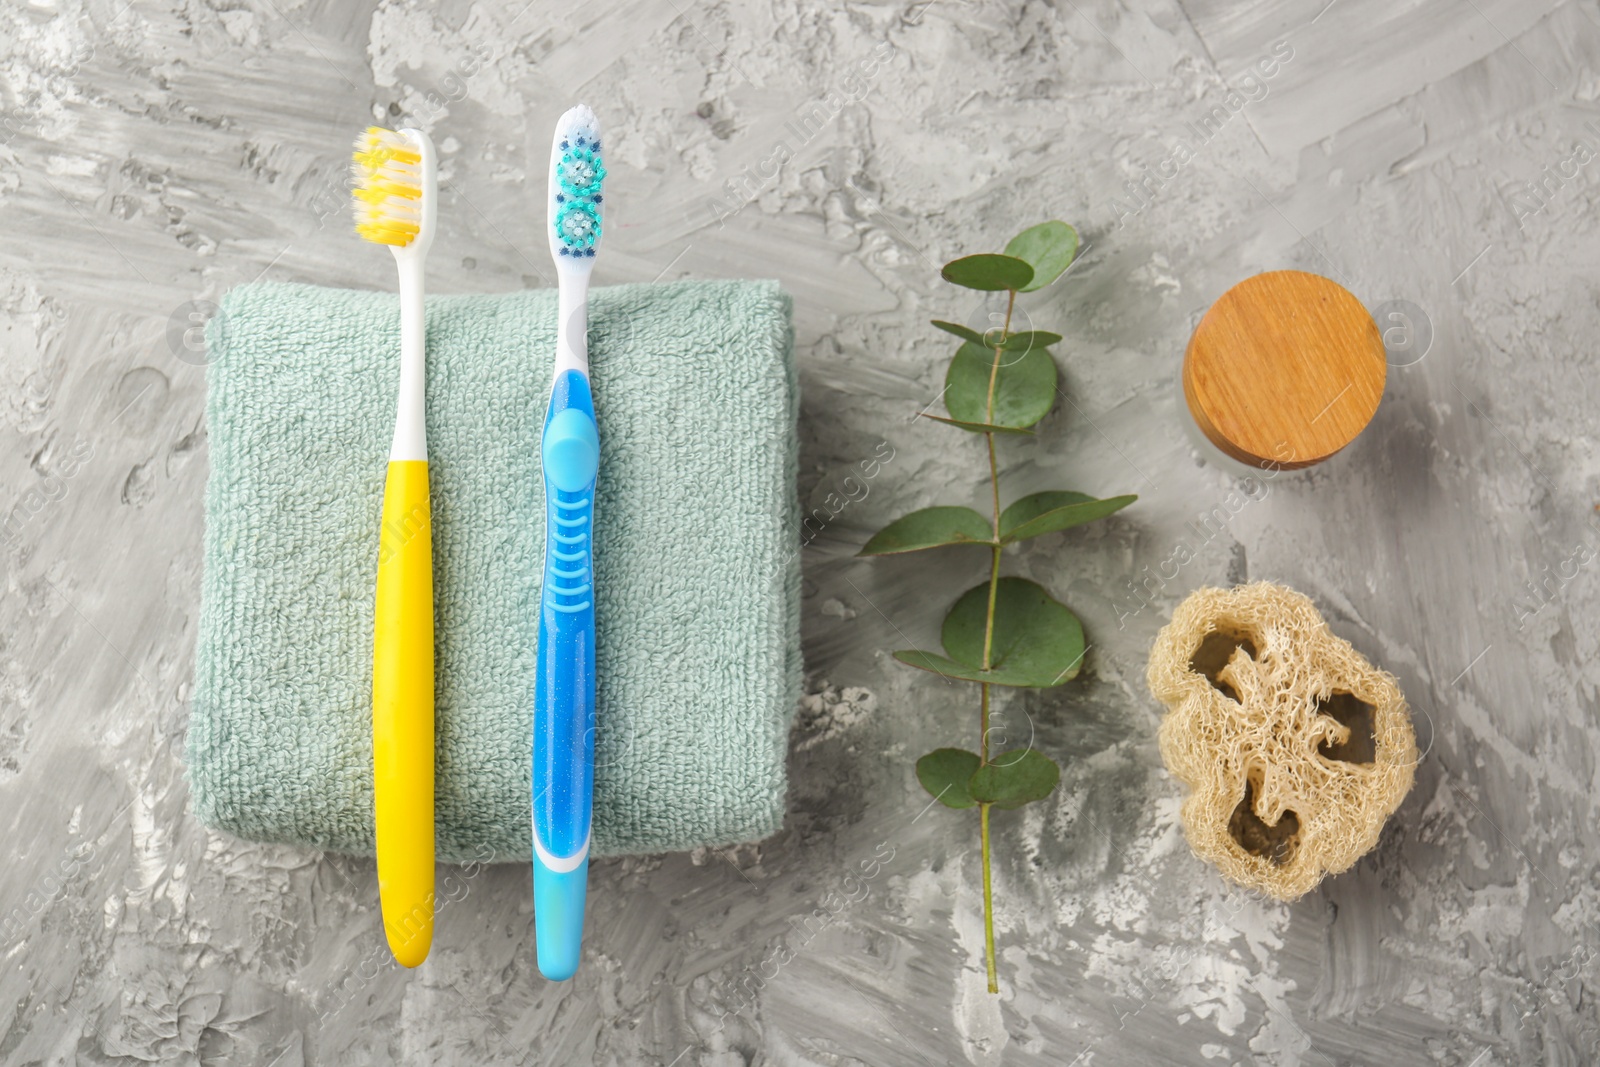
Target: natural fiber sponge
1294, 747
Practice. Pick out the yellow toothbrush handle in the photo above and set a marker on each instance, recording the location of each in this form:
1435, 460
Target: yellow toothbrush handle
402, 712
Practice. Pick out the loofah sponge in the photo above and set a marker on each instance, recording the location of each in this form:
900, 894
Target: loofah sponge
1294, 747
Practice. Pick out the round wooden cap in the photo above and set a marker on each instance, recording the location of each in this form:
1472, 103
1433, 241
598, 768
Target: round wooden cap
1284, 370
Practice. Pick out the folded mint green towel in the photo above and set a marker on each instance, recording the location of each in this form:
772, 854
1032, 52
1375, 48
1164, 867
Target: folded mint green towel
695, 557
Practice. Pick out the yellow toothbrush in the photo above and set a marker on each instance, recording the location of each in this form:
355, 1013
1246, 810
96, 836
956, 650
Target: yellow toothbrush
395, 199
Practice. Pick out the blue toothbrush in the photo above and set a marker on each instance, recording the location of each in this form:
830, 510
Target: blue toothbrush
563, 710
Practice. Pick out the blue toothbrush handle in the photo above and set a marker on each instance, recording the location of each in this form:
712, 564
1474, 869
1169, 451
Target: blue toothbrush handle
563, 711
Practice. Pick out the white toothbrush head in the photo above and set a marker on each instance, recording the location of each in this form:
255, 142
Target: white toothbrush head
577, 174
395, 192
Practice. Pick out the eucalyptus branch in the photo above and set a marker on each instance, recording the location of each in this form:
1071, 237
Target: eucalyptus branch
1007, 631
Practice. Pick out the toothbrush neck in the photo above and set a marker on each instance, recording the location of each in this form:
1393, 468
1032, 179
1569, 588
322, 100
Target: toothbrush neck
572, 322
410, 433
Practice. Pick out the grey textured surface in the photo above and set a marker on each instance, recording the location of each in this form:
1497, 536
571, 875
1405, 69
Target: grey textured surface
156, 153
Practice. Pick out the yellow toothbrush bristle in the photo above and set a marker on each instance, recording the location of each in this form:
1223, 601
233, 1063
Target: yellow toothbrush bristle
387, 190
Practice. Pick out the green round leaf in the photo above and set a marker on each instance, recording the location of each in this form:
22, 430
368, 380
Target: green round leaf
1034, 505
1014, 778
944, 772
988, 272
1044, 513
1038, 642
1031, 339
978, 427
1024, 388
963, 332
930, 528
1048, 247
940, 665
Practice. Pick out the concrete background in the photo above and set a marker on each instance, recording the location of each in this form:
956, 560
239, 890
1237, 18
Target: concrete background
1434, 152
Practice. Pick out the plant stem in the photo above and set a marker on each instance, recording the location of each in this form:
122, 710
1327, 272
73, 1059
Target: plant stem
994, 490
994, 572
983, 721
994, 369
988, 649
988, 904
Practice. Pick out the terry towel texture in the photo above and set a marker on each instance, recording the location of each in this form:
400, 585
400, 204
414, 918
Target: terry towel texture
697, 570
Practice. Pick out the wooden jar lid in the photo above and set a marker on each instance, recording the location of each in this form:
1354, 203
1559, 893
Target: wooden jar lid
1284, 370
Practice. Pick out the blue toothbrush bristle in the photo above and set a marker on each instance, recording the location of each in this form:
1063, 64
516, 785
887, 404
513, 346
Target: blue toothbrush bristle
580, 173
